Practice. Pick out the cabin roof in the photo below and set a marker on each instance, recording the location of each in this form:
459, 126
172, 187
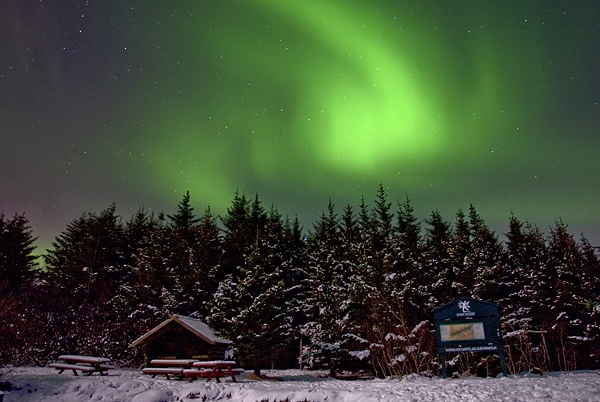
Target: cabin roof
195, 326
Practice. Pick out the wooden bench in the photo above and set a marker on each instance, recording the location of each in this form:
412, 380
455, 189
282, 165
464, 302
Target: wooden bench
75, 367
213, 369
168, 367
205, 373
186, 363
98, 367
166, 371
202, 373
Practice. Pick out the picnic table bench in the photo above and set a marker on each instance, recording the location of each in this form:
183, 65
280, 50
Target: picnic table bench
213, 369
85, 364
168, 367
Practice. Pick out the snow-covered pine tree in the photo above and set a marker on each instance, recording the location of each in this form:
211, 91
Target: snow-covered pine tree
178, 267
138, 230
184, 220
523, 310
85, 260
565, 299
181, 256
409, 228
335, 292
17, 262
411, 278
17, 271
590, 281
150, 273
238, 234
207, 259
439, 263
86, 272
483, 260
326, 292
461, 247
250, 306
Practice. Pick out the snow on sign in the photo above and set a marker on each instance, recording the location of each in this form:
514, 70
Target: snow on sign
468, 325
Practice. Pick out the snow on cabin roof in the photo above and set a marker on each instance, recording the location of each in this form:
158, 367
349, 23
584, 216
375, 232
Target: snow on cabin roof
202, 328
197, 327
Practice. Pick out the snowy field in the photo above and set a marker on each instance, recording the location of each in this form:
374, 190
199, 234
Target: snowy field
44, 384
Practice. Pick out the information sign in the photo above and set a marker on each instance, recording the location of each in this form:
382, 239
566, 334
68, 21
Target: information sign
468, 325
467, 331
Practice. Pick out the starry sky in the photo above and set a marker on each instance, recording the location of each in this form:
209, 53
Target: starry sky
488, 102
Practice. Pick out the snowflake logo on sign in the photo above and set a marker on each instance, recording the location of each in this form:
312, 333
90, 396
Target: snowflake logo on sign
464, 306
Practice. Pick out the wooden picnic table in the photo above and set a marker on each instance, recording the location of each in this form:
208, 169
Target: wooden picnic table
213, 369
85, 364
173, 362
168, 367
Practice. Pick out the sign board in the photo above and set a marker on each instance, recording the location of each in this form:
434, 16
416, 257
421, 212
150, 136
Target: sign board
468, 325
468, 331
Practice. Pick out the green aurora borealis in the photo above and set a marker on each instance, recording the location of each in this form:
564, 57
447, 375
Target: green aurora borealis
490, 103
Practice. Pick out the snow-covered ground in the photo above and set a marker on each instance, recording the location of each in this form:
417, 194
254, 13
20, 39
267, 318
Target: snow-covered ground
44, 384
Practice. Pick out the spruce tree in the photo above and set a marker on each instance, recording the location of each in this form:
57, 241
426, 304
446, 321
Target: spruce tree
17, 295
250, 305
523, 311
326, 302
409, 228
208, 259
17, 262
180, 258
86, 274
590, 281
86, 259
383, 215
238, 233
139, 229
185, 219
440, 261
564, 299
410, 279
349, 226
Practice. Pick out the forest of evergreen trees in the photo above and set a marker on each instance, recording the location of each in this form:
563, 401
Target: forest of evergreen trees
356, 291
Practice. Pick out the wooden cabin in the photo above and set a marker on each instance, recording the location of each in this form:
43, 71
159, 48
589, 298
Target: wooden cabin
181, 337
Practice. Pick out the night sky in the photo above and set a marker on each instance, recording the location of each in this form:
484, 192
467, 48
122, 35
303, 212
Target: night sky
493, 103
